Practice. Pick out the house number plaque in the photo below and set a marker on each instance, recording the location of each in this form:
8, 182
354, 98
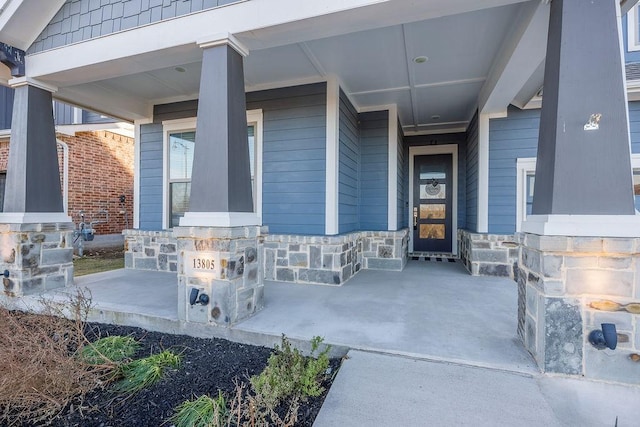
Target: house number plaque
202, 263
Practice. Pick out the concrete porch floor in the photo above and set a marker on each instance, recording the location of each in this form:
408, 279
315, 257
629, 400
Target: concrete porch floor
433, 310
430, 310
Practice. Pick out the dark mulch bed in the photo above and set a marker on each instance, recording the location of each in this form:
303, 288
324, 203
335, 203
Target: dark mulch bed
208, 365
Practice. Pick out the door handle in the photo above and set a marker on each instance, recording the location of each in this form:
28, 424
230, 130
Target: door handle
415, 218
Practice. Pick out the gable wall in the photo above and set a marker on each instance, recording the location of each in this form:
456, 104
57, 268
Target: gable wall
79, 20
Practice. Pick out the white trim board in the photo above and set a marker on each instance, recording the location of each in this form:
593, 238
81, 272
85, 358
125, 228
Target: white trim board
483, 173
392, 180
430, 150
332, 220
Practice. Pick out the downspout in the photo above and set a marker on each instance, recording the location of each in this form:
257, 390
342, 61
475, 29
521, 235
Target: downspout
65, 174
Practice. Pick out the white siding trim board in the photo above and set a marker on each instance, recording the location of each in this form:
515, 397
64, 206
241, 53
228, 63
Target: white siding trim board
333, 155
392, 182
483, 173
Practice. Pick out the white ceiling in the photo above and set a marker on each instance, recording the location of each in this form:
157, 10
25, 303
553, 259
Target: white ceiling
375, 67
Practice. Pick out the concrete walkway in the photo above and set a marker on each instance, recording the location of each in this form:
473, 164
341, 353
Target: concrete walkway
383, 390
431, 346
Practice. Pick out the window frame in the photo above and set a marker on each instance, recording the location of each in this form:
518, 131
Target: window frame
633, 30
254, 117
526, 166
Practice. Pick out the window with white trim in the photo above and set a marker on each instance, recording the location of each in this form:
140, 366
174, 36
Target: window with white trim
179, 141
525, 179
633, 29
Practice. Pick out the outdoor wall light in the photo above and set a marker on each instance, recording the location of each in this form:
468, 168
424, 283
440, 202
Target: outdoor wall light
195, 297
6, 273
607, 337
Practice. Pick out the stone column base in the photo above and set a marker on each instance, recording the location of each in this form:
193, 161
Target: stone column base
36, 257
222, 263
567, 287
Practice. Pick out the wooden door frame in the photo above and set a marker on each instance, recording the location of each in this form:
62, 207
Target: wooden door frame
427, 150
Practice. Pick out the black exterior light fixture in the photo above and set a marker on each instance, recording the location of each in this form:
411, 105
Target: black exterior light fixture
195, 297
607, 337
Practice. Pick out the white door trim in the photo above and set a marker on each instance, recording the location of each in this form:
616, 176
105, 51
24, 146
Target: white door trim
430, 150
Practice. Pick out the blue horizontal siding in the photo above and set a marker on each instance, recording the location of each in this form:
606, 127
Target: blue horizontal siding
472, 175
348, 168
294, 158
509, 138
151, 158
6, 107
374, 179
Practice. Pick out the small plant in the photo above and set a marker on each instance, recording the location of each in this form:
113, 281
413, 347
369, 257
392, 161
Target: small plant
289, 374
142, 373
109, 349
202, 412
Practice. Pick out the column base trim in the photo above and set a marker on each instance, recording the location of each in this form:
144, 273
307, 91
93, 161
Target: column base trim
219, 219
583, 225
33, 217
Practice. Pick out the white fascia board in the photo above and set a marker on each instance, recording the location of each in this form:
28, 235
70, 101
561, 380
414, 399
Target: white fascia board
332, 157
121, 128
521, 54
185, 30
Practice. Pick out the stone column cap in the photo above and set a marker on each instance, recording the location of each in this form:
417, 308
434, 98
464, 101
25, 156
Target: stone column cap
23, 81
583, 225
221, 39
34, 217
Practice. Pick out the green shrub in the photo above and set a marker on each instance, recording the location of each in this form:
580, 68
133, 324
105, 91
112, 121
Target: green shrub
291, 375
201, 412
142, 373
109, 349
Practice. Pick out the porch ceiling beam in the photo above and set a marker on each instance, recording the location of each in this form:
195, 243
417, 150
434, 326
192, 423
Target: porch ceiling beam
521, 55
112, 104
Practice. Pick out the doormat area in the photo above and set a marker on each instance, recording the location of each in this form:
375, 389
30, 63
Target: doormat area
434, 257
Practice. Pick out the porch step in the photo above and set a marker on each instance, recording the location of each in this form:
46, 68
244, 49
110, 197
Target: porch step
432, 257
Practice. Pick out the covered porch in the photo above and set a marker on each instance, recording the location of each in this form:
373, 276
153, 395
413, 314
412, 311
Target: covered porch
431, 310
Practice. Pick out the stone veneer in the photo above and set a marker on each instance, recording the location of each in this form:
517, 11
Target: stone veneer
229, 272
488, 254
38, 257
567, 287
329, 260
150, 250
332, 260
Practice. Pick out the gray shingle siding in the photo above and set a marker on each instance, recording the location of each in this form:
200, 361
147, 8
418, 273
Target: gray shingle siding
79, 20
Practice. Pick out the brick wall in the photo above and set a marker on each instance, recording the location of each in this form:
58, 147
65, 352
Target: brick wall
101, 167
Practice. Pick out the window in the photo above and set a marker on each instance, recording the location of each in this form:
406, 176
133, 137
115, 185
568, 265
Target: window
181, 145
525, 179
633, 29
180, 137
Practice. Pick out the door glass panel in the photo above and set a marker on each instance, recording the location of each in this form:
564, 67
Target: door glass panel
432, 231
433, 175
431, 191
433, 211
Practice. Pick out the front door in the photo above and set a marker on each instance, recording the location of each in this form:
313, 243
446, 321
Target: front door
432, 203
